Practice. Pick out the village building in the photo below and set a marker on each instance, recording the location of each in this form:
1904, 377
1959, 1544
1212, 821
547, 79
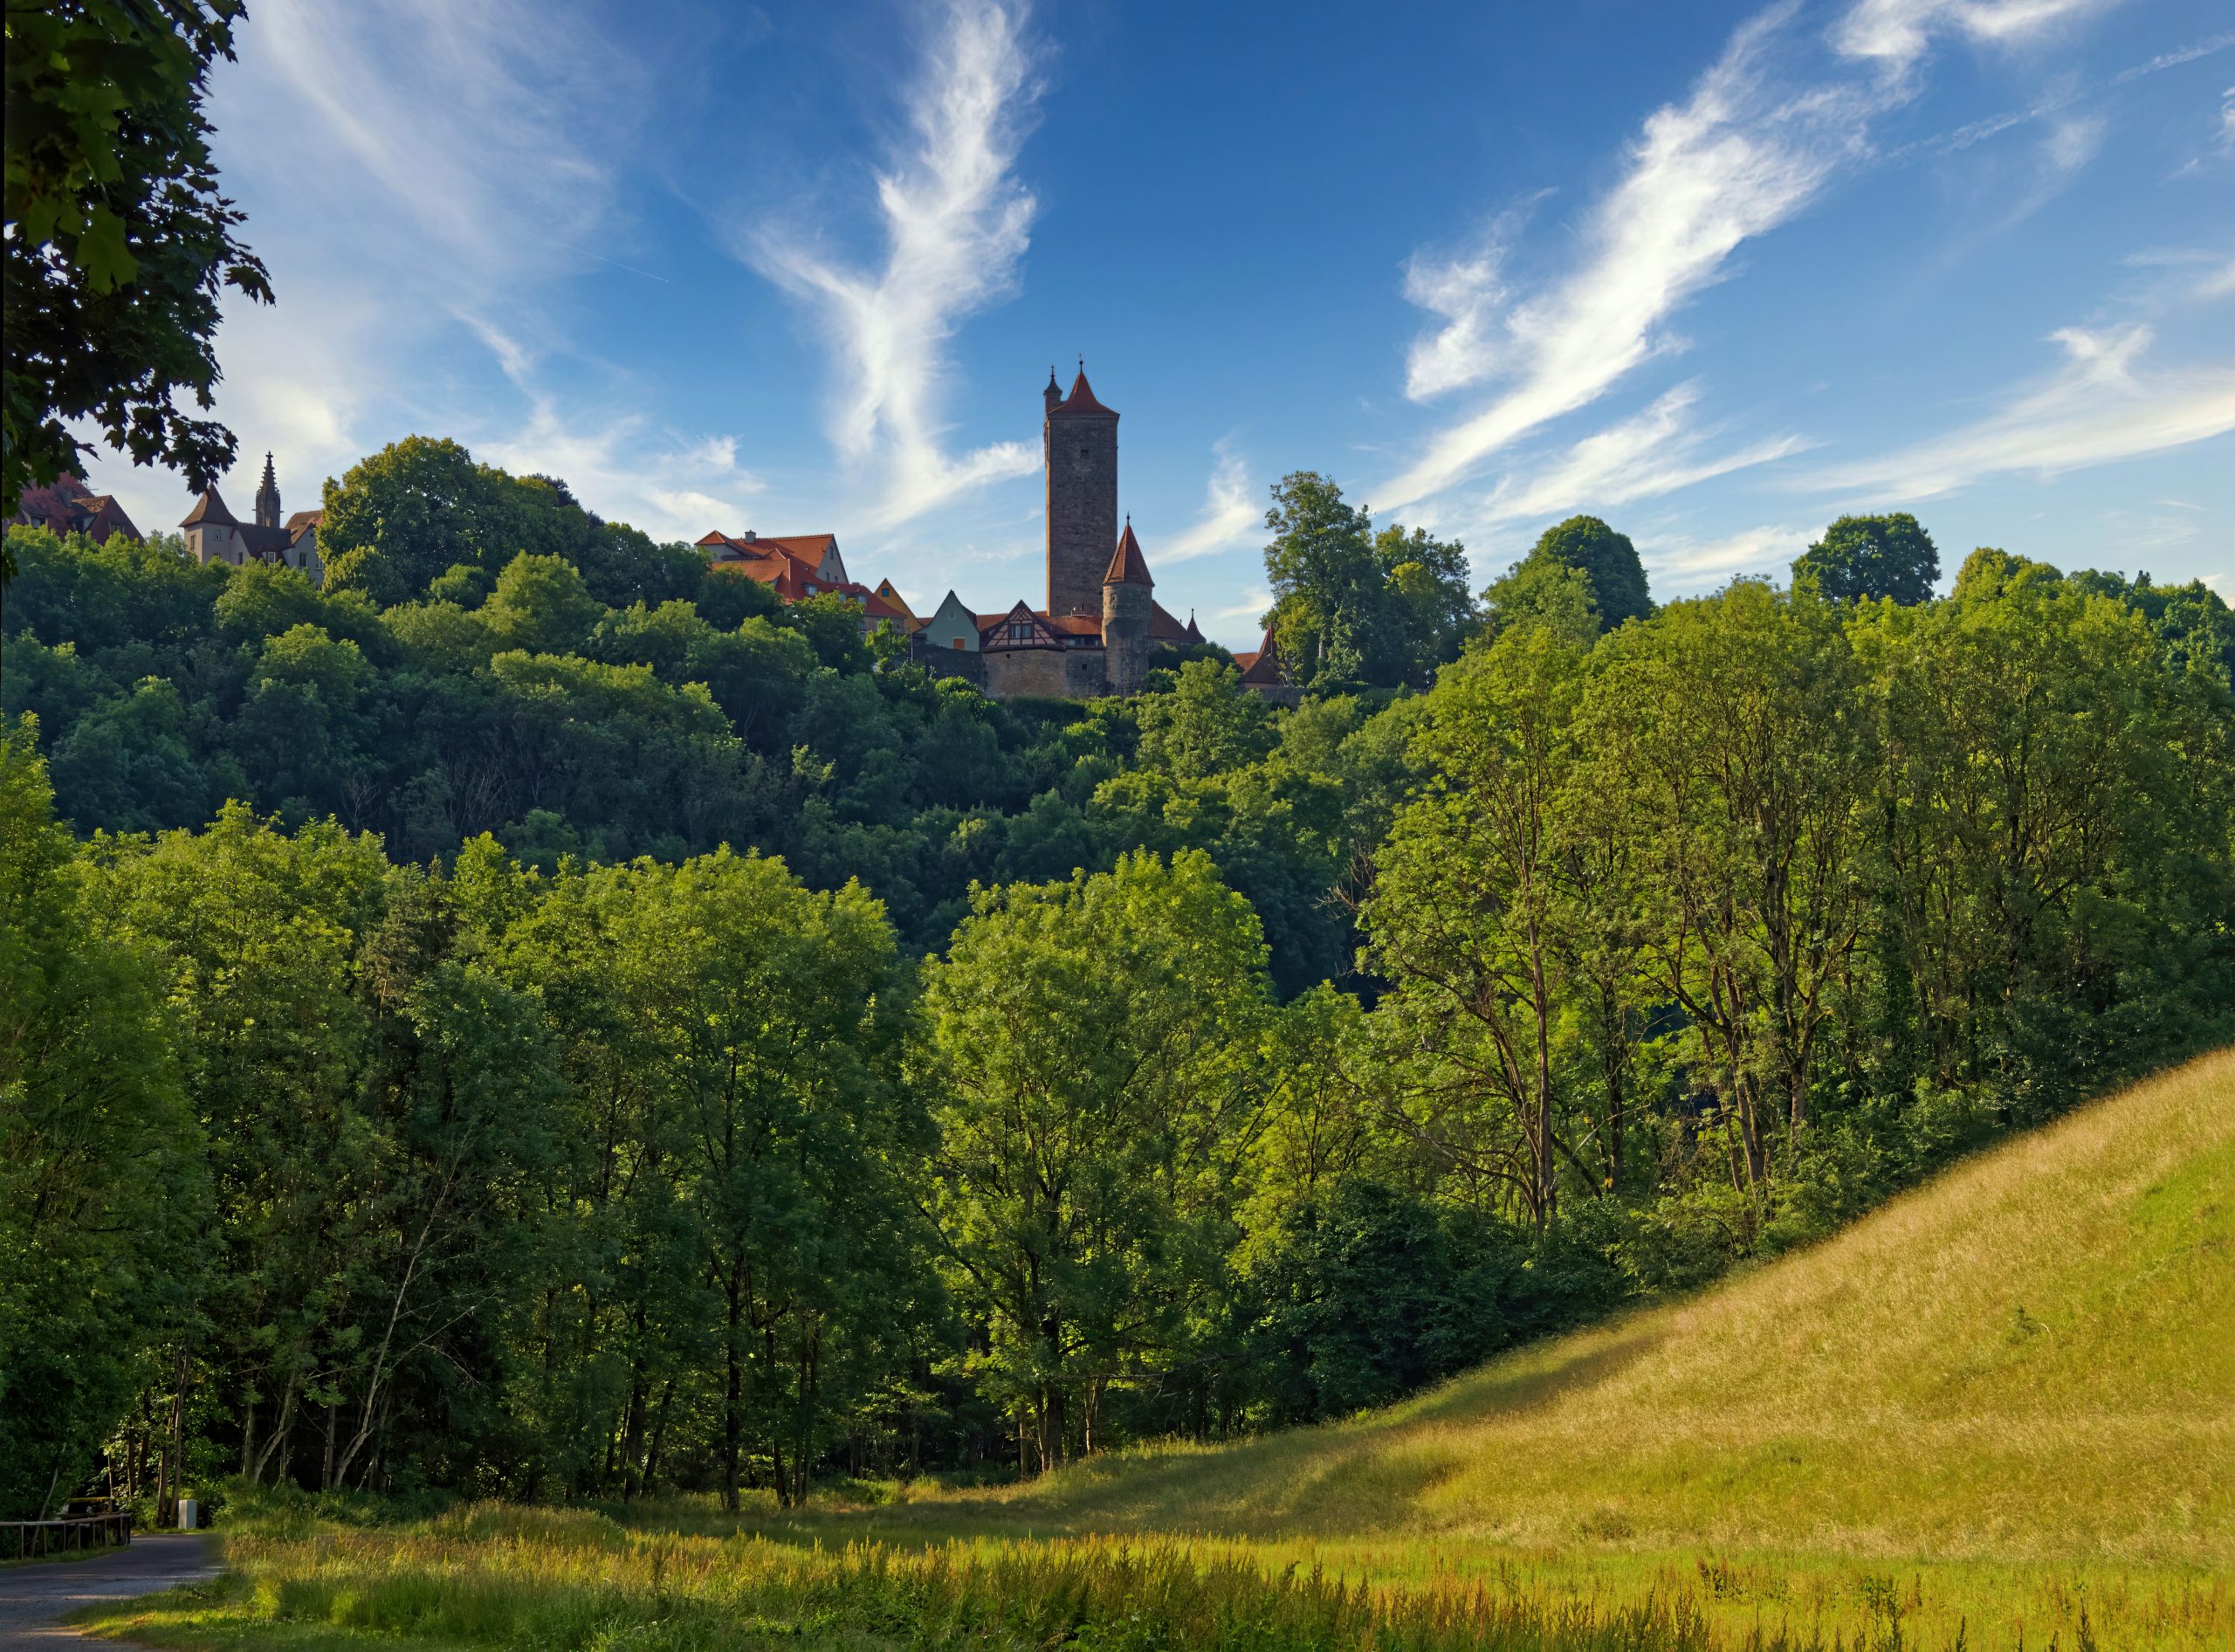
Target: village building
798, 566
1101, 622
69, 506
214, 534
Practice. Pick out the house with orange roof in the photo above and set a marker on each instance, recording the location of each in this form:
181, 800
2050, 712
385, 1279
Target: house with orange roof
799, 566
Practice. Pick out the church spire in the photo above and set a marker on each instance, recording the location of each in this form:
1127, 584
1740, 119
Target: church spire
1054, 392
267, 498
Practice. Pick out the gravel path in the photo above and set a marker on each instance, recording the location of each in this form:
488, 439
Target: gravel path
32, 1597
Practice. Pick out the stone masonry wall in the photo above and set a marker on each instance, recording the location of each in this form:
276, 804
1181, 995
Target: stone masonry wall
1082, 465
1051, 673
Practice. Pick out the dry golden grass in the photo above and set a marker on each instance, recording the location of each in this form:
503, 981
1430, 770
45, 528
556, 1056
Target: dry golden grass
2031, 1358
1998, 1414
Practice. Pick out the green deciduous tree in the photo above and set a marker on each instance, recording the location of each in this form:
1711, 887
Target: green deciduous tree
1871, 557
118, 242
1605, 558
1352, 608
1091, 1047
1473, 913
764, 1016
101, 1196
1732, 739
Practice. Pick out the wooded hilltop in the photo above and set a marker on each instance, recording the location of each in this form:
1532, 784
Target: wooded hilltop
535, 1018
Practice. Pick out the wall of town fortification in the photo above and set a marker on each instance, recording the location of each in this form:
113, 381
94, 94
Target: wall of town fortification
1053, 674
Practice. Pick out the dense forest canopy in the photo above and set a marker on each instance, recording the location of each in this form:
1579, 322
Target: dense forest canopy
534, 1016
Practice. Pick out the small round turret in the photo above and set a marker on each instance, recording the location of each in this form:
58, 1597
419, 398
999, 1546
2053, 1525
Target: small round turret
1128, 610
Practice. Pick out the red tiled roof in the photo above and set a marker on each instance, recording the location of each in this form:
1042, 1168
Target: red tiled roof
211, 509
806, 549
1127, 565
69, 506
1162, 627
1262, 665
1080, 404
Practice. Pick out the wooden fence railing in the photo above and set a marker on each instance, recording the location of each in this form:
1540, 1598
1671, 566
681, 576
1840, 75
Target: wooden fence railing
28, 1539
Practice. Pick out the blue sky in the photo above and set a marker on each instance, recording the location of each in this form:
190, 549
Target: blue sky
1713, 272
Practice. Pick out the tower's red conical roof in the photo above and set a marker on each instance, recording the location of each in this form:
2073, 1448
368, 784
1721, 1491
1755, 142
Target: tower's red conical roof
1081, 400
1127, 565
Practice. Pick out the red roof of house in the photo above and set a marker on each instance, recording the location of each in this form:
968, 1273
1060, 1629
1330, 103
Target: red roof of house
211, 509
1127, 565
69, 506
806, 549
1262, 663
876, 605
1080, 404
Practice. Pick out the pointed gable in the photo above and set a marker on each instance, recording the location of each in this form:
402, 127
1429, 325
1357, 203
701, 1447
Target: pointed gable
892, 599
1127, 565
1019, 628
1261, 669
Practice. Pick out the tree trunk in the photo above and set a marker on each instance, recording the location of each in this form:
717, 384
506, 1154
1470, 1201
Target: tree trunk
733, 1401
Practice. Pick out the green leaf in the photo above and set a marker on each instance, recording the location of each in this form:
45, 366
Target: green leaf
101, 252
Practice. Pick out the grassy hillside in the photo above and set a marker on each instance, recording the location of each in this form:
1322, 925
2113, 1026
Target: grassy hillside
2000, 1413
2030, 1359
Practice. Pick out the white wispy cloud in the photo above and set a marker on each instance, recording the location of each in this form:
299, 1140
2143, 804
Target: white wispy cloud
956, 222
626, 470
1739, 157
1897, 33
1750, 148
1233, 515
1658, 452
1252, 606
1679, 564
489, 129
2103, 404
411, 170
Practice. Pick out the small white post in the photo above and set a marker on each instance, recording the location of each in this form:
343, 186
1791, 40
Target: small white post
186, 1510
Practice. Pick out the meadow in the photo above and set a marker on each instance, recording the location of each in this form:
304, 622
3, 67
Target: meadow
1999, 1412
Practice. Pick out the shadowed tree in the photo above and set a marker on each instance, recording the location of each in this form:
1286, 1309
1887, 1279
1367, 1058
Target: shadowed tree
1606, 558
1864, 557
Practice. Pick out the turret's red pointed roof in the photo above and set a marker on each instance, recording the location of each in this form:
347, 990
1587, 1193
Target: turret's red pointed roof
1081, 400
210, 508
1127, 565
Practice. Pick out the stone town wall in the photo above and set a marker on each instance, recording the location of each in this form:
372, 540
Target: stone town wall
965, 664
1048, 673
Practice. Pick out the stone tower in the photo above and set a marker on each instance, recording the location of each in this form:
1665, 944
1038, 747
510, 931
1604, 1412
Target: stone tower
1081, 436
267, 498
1126, 608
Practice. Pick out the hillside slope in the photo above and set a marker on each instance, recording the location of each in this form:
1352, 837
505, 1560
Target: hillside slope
2030, 1359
